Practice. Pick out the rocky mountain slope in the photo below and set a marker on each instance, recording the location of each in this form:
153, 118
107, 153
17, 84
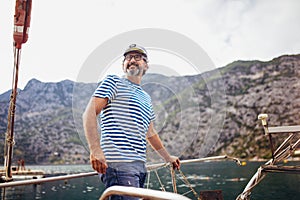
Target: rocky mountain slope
207, 114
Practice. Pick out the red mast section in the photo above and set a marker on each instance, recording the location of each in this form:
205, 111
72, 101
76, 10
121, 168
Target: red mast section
22, 22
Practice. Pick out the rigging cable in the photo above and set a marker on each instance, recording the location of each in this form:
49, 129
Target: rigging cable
20, 35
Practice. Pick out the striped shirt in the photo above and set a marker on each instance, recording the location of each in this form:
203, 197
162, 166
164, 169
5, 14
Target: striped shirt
125, 120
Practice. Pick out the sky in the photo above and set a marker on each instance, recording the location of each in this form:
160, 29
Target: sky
63, 34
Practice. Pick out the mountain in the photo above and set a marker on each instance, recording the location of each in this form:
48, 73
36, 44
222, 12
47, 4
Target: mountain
211, 113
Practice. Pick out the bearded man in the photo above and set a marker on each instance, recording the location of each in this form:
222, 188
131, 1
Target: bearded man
126, 125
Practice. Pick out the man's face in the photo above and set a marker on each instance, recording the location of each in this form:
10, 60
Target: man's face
134, 64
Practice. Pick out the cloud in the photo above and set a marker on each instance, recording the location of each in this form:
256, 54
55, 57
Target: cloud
250, 30
64, 33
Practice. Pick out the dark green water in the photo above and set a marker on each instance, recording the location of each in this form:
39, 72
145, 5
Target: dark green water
225, 176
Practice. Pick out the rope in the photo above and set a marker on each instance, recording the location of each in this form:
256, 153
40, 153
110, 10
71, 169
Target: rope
173, 179
11, 116
174, 184
10, 140
185, 180
246, 193
161, 185
148, 180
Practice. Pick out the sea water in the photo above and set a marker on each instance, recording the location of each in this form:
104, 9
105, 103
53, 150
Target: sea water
226, 176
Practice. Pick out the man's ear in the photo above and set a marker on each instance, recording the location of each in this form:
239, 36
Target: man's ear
145, 69
146, 66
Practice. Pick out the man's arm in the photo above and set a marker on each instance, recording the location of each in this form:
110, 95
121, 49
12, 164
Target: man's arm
158, 146
89, 118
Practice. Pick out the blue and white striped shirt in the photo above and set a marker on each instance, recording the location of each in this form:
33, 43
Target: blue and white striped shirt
125, 120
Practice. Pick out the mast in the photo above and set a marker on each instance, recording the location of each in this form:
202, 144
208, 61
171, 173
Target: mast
20, 35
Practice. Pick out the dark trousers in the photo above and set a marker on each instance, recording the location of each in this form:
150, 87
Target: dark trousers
125, 174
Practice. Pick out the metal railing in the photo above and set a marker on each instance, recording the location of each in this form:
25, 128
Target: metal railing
80, 175
283, 151
141, 193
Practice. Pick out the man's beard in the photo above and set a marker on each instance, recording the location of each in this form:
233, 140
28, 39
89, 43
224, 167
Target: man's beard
133, 72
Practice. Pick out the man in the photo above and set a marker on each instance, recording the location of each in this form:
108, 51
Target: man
126, 123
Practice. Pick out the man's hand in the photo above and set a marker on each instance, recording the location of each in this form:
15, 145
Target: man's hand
89, 119
98, 163
175, 162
